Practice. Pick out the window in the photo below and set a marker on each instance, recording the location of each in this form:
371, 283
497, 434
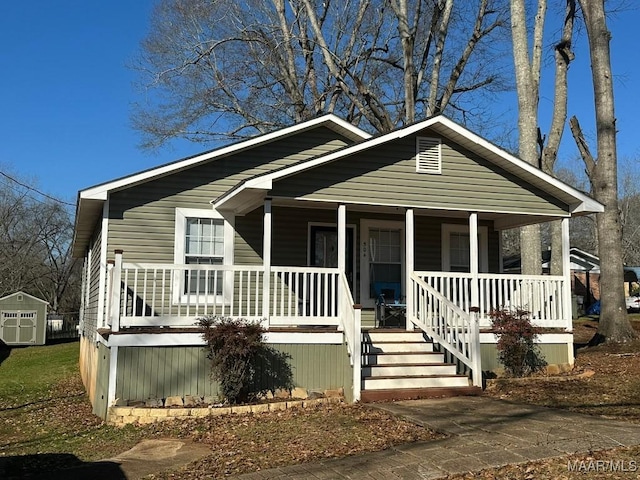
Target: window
202, 237
385, 263
455, 248
428, 155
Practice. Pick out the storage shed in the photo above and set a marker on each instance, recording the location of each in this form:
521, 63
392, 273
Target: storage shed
23, 319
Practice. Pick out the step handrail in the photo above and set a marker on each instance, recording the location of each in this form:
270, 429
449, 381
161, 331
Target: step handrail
447, 324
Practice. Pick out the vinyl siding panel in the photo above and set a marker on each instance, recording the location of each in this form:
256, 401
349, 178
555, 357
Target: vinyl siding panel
159, 372
553, 353
142, 217
90, 319
386, 175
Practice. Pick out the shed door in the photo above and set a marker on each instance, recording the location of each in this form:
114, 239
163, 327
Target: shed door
18, 326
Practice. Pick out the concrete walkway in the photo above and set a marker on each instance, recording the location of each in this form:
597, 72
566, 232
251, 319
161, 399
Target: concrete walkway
483, 433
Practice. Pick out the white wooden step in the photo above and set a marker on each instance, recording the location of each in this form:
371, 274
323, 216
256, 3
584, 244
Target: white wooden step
393, 347
393, 336
382, 383
402, 357
404, 370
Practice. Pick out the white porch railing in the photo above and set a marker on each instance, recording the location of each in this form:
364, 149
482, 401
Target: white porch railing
169, 295
541, 295
454, 329
351, 325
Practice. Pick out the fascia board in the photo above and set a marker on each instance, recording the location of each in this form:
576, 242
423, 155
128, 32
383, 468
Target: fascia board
583, 199
100, 192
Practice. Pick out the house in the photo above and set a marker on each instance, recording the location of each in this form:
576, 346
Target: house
23, 319
303, 229
585, 275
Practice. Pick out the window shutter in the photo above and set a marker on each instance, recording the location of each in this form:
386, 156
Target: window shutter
428, 155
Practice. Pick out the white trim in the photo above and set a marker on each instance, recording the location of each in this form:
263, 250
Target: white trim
566, 273
100, 192
483, 246
195, 339
101, 314
409, 266
181, 215
20, 292
502, 226
113, 373
548, 338
581, 204
365, 225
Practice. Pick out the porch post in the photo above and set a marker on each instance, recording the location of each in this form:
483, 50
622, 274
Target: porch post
342, 238
566, 273
473, 258
409, 266
116, 280
266, 259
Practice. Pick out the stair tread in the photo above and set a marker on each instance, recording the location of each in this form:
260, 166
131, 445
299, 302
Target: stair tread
408, 342
403, 353
421, 364
436, 375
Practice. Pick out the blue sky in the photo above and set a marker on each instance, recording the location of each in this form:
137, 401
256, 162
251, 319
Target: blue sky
66, 92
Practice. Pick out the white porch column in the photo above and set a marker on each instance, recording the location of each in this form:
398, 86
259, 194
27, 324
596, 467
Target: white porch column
342, 238
473, 258
566, 273
266, 259
409, 265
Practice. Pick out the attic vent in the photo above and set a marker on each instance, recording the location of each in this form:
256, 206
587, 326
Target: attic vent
20, 298
428, 155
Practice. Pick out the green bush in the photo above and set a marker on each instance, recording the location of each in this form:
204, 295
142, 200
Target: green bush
516, 346
232, 346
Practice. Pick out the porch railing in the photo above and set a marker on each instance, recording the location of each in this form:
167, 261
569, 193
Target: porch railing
351, 325
169, 295
541, 295
454, 329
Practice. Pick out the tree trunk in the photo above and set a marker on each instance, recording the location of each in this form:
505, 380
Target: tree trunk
527, 83
614, 325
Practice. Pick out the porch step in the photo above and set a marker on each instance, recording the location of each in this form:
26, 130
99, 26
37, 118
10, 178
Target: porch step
421, 346
393, 358
368, 396
415, 381
408, 370
403, 364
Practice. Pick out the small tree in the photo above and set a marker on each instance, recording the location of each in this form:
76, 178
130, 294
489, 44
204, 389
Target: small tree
516, 346
232, 346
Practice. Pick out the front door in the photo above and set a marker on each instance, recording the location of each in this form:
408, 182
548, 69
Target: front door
323, 248
381, 262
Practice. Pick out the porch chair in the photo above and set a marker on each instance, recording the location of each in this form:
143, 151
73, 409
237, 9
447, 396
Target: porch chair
389, 310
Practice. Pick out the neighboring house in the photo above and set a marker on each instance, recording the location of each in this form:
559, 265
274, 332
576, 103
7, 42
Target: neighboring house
585, 275
23, 319
303, 229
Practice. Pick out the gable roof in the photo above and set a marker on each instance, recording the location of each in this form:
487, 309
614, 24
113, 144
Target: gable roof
20, 292
91, 200
256, 187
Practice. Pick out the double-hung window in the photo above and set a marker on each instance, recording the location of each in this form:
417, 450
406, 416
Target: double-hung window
455, 248
203, 238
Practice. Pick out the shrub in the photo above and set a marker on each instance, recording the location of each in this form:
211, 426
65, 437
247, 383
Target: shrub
232, 345
516, 348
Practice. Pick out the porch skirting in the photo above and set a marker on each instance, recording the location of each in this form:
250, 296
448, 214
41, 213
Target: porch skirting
163, 371
556, 349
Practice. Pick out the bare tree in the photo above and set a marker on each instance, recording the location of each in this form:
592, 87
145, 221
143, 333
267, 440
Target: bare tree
527, 61
226, 69
614, 325
35, 248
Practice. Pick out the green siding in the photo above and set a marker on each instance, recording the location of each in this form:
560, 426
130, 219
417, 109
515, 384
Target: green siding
90, 317
553, 353
385, 175
102, 381
142, 217
159, 372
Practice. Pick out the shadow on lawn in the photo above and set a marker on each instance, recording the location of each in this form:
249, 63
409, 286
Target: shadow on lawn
57, 466
5, 351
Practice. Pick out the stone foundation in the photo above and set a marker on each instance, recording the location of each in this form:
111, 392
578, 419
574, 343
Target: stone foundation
120, 416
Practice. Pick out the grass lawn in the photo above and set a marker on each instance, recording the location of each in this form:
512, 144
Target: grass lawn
46, 423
